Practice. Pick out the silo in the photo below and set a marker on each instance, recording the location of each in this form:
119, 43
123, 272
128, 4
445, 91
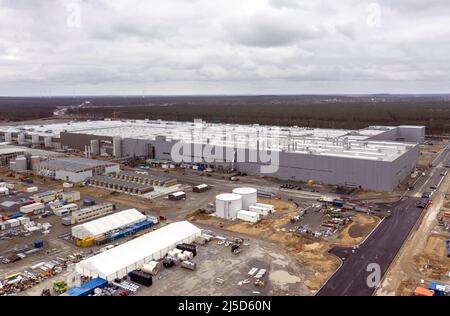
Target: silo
95, 147
21, 163
35, 139
249, 196
117, 147
21, 139
228, 204
34, 161
8, 137
48, 142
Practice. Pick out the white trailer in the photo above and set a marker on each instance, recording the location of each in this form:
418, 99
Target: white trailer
248, 216
31, 209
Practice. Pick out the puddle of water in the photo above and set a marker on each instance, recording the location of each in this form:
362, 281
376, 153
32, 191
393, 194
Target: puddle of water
283, 277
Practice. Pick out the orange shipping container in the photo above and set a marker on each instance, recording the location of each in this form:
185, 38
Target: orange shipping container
420, 291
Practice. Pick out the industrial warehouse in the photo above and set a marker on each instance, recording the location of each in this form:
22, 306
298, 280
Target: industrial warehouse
375, 158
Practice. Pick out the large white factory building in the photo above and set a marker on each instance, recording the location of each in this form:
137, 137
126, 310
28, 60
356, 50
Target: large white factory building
376, 157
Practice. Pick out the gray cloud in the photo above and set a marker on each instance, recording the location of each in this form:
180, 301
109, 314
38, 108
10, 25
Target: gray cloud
224, 46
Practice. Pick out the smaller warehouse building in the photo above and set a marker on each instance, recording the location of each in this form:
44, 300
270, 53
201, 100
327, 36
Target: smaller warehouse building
104, 225
74, 169
119, 261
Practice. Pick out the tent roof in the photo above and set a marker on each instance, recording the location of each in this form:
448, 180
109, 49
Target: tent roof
108, 223
107, 263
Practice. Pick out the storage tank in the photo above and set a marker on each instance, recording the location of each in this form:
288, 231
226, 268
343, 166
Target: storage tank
34, 161
21, 163
228, 204
21, 139
117, 147
249, 196
95, 147
48, 141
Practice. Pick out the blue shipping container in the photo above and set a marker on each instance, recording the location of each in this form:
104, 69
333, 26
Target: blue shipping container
88, 288
15, 215
38, 244
439, 288
338, 203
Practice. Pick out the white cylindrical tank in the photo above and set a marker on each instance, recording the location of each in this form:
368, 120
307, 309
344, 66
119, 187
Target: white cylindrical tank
249, 196
48, 141
228, 204
21, 138
34, 160
95, 147
21, 163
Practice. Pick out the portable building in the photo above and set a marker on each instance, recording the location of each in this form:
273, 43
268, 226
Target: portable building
32, 209
200, 188
65, 210
70, 197
249, 216
259, 209
119, 261
176, 196
89, 213
4, 191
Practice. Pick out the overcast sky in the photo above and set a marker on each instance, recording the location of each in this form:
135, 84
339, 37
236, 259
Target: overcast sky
58, 47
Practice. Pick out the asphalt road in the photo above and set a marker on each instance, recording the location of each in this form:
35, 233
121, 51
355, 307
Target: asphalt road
381, 248
383, 244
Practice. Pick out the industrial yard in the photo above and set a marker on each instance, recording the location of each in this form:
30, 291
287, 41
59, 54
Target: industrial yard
91, 221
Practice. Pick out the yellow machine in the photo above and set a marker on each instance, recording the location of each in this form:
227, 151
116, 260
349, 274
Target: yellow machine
85, 242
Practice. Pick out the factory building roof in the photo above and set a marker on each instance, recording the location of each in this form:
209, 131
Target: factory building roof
74, 164
118, 261
302, 140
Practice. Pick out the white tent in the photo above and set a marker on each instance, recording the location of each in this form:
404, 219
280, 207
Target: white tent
108, 223
119, 261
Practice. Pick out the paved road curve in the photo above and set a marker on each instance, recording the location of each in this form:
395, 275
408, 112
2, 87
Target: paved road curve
381, 248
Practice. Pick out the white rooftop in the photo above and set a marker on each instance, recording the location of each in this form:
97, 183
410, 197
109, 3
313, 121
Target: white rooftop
304, 140
125, 258
107, 223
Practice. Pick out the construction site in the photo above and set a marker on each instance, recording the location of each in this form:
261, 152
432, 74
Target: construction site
233, 230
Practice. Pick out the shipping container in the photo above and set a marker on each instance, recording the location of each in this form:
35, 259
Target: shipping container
141, 277
439, 289
38, 244
189, 247
88, 288
420, 291
338, 203
88, 202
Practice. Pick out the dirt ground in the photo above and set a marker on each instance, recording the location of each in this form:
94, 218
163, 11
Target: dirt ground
307, 251
355, 232
427, 154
